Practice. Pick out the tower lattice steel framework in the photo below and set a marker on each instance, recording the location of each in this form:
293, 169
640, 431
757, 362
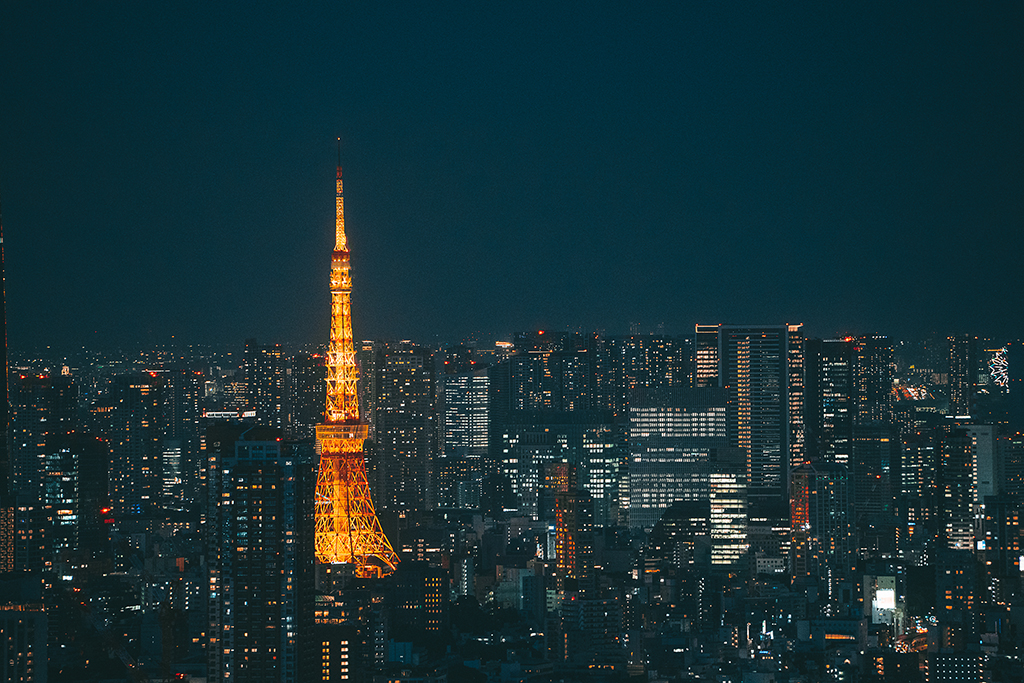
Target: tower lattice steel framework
347, 528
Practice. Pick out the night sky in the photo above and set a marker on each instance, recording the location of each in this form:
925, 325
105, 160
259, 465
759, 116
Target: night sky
168, 168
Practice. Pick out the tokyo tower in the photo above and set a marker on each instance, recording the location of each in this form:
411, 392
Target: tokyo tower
347, 528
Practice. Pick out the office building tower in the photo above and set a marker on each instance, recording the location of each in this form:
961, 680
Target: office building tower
75, 491
873, 373
41, 406
655, 363
350, 634
532, 439
260, 555
366, 385
919, 463
465, 431
1010, 450
728, 519
84, 460
458, 482
963, 373
830, 402
875, 469
762, 373
1000, 546
307, 393
822, 526
550, 372
574, 542
421, 602
266, 383
955, 598
987, 477
705, 356
23, 632
465, 425
184, 396
405, 424
673, 443
347, 528
955, 487
135, 439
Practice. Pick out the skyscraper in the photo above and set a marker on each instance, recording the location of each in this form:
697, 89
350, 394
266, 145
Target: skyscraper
266, 383
829, 404
762, 373
260, 556
405, 424
873, 376
135, 472
822, 522
705, 356
673, 443
963, 373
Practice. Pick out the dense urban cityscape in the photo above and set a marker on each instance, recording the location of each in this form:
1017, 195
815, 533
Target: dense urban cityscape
743, 503
665, 342
738, 501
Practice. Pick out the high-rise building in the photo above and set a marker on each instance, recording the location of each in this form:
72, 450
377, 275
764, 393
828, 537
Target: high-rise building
266, 378
42, 406
728, 520
6, 469
421, 601
574, 542
351, 635
873, 373
135, 460
919, 462
822, 525
184, 389
963, 373
307, 393
955, 487
23, 643
532, 439
705, 356
674, 442
465, 425
875, 470
405, 424
260, 555
761, 369
830, 402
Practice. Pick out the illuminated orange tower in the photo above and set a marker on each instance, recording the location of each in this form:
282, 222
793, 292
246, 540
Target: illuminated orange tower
347, 528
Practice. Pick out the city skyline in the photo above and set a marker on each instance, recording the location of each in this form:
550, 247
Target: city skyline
855, 171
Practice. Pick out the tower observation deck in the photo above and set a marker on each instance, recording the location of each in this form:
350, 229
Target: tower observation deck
347, 528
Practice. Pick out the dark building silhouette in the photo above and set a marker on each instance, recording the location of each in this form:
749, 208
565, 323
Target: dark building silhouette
307, 393
136, 484
824, 550
762, 371
830, 401
266, 383
963, 373
404, 431
260, 555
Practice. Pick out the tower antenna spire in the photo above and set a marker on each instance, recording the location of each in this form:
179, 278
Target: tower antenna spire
347, 528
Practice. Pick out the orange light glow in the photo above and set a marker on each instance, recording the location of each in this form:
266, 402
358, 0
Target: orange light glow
347, 528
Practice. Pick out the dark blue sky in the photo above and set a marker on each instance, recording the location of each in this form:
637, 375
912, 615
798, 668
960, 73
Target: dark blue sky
169, 170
